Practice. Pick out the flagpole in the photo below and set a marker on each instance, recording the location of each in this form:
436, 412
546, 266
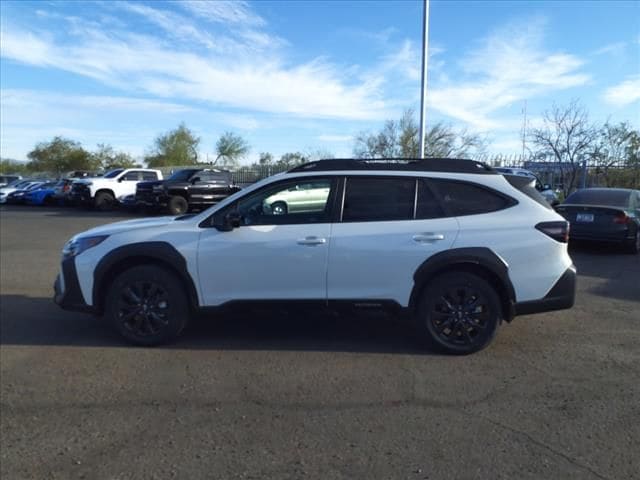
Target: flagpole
425, 60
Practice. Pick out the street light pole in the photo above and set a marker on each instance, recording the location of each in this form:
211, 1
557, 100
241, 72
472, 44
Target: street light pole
425, 61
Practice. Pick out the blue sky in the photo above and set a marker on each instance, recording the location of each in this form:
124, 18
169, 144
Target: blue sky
305, 76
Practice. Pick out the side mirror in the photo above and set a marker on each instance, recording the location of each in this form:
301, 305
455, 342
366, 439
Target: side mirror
230, 221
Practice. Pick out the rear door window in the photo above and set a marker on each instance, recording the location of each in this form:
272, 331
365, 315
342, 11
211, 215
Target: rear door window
375, 199
464, 198
147, 176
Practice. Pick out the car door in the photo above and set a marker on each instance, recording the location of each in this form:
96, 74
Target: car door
270, 256
389, 226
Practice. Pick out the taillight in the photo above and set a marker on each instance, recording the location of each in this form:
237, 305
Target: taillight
622, 218
559, 231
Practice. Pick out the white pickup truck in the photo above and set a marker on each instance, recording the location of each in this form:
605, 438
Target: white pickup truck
104, 192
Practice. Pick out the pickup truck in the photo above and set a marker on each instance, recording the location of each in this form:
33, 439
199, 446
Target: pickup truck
185, 189
107, 191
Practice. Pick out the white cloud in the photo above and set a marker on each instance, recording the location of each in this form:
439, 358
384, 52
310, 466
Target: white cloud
625, 93
149, 65
509, 66
617, 48
224, 11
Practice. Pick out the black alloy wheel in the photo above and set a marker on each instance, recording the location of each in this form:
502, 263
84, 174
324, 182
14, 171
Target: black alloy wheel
460, 312
147, 305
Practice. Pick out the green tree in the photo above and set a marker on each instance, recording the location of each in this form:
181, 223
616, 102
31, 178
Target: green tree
230, 148
176, 147
291, 159
60, 155
10, 166
109, 159
400, 139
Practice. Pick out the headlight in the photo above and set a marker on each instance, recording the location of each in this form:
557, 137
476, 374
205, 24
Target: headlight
76, 246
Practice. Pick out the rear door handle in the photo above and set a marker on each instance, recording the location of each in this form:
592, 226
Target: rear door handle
312, 241
428, 237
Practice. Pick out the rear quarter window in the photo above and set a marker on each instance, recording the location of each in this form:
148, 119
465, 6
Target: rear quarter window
463, 198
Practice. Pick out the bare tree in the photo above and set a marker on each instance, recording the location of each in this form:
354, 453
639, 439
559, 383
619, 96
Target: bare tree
567, 138
400, 139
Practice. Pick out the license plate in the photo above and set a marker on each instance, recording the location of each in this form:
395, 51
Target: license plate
584, 217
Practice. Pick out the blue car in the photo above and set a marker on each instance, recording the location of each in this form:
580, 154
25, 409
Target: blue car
43, 195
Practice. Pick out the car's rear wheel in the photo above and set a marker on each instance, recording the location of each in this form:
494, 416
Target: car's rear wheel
177, 205
459, 313
49, 201
279, 208
104, 201
147, 305
633, 246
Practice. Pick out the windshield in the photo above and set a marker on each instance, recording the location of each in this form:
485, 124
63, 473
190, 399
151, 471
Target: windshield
607, 197
182, 175
113, 173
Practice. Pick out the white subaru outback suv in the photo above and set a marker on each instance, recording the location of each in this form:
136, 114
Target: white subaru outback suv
452, 243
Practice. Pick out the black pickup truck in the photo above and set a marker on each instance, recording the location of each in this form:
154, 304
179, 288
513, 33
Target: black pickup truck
185, 189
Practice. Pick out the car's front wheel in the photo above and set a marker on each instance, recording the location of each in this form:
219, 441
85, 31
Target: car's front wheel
177, 205
279, 208
459, 313
104, 201
147, 305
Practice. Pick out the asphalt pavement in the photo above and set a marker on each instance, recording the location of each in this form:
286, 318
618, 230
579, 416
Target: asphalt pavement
282, 396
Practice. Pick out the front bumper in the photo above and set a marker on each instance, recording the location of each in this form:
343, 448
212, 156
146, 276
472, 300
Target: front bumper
66, 289
560, 297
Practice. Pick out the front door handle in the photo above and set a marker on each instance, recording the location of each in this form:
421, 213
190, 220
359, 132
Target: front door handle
428, 237
312, 241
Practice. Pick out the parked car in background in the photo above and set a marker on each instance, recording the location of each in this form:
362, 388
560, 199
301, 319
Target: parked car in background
7, 179
43, 195
605, 215
185, 189
18, 197
62, 190
545, 190
107, 191
12, 187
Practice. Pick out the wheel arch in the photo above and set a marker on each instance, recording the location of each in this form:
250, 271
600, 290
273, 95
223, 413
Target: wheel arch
161, 254
105, 190
480, 261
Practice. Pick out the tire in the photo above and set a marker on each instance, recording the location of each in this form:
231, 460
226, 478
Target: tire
147, 305
449, 318
279, 208
177, 205
104, 201
633, 247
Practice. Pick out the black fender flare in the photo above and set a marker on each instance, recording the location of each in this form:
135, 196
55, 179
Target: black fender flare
474, 258
156, 253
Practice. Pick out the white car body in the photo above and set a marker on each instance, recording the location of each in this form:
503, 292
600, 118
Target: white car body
364, 262
119, 185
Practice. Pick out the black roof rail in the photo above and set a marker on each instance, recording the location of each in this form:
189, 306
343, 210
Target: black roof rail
454, 165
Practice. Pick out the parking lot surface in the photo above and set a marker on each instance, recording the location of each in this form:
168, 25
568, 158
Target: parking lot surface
279, 396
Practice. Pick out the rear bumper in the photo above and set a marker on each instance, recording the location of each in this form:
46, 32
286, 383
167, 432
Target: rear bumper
66, 291
560, 297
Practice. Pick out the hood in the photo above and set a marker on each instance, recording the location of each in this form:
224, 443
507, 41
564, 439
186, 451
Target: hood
127, 225
90, 179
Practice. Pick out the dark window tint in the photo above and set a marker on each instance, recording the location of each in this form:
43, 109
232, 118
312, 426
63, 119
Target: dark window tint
215, 177
369, 199
113, 173
526, 186
428, 206
600, 196
462, 198
130, 176
149, 176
